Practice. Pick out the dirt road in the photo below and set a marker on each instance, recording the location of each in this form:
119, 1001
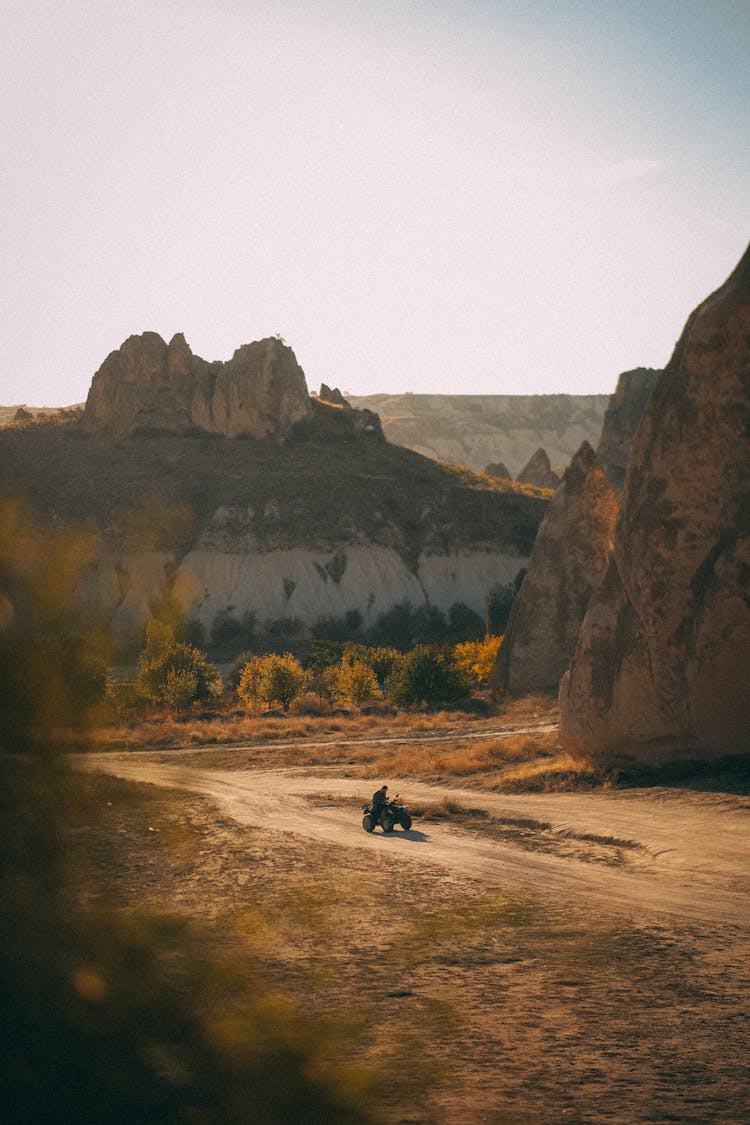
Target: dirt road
647, 854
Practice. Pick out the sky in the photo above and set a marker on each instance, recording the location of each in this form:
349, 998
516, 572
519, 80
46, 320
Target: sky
485, 197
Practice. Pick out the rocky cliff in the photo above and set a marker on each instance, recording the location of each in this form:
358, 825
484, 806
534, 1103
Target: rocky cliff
150, 385
477, 430
621, 421
662, 665
331, 521
570, 556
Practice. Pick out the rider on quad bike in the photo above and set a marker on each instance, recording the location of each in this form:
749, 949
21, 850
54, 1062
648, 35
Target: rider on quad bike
387, 813
379, 801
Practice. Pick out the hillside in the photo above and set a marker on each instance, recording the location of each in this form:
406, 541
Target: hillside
327, 523
477, 430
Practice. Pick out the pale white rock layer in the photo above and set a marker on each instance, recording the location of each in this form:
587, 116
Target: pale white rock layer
296, 583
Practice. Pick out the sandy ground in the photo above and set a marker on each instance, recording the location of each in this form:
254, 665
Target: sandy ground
582, 958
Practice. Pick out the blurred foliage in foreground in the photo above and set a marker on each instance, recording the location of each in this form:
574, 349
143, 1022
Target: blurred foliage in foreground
111, 1017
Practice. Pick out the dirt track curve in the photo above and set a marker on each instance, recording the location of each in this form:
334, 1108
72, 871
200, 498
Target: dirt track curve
647, 853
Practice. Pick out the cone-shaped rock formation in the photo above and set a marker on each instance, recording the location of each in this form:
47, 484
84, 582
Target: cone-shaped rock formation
567, 563
537, 471
662, 666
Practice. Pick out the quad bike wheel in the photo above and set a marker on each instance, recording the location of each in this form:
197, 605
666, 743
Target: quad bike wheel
368, 823
387, 822
406, 822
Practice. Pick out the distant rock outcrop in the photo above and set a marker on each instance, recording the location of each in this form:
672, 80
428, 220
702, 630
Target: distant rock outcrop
567, 563
498, 469
23, 415
662, 666
621, 421
332, 395
147, 384
538, 471
473, 430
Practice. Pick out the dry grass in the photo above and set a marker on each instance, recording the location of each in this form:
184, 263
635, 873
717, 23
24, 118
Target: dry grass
500, 752
160, 730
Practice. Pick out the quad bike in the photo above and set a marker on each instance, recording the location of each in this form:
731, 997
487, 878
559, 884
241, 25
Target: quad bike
391, 814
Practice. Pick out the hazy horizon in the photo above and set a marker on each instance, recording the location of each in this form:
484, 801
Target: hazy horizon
486, 197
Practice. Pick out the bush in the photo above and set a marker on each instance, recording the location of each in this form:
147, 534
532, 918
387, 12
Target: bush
271, 679
167, 667
310, 703
425, 676
463, 624
228, 631
476, 659
339, 628
404, 625
381, 659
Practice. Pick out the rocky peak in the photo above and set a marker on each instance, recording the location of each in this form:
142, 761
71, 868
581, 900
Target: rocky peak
621, 421
538, 471
567, 563
661, 666
147, 384
498, 469
333, 396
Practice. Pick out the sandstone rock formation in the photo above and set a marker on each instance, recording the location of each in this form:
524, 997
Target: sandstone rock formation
498, 469
621, 421
471, 430
147, 384
538, 471
662, 666
332, 395
339, 424
23, 415
567, 563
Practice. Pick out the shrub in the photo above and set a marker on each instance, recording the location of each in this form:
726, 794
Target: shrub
339, 628
426, 676
310, 703
380, 659
228, 631
476, 659
404, 625
271, 679
464, 624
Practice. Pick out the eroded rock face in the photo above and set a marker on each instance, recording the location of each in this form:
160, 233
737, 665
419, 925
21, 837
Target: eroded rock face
662, 666
567, 563
538, 471
147, 384
621, 421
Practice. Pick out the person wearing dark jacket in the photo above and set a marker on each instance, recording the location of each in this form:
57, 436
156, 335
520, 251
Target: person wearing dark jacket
379, 801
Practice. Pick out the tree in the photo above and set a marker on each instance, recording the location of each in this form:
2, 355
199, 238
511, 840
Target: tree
271, 679
167, 668
425, 676
357, 683
381, 659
